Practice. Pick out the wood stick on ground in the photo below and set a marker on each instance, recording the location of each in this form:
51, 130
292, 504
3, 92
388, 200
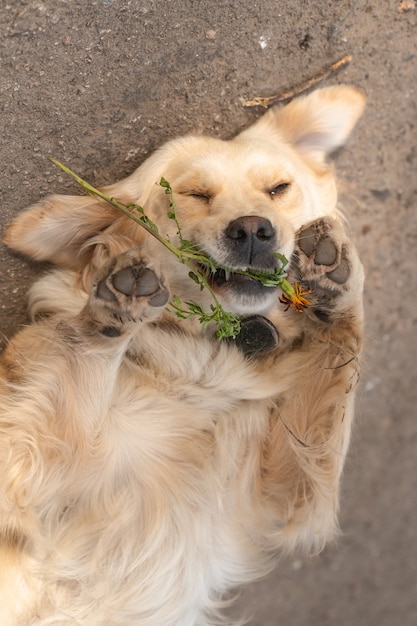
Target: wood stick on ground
266, 102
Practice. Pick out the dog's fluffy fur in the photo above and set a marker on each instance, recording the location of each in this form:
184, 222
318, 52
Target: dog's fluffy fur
145, 467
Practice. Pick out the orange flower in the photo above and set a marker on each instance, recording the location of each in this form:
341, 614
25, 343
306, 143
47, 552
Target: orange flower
294, 298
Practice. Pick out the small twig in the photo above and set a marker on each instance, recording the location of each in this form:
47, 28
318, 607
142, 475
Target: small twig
302, 443
337, 367
267, 101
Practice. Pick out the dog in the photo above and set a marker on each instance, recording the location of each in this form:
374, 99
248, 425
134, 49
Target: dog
147, 468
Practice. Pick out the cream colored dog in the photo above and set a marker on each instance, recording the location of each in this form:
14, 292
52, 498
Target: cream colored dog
145, 466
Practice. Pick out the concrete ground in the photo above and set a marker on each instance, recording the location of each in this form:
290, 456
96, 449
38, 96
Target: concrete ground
99, 84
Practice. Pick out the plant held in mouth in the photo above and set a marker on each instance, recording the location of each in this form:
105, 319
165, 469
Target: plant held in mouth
228, 324
294, 298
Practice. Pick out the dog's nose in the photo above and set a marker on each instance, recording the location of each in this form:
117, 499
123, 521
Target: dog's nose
252, 239
252, 227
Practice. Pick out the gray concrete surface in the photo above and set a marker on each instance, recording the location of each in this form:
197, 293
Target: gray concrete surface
99, 84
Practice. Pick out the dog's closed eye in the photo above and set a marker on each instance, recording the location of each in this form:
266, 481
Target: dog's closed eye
198, 195
279, 189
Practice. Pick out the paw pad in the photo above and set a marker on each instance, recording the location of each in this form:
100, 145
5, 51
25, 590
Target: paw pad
326, 252
136, 280
341, 273
257, 336
133, 281
307, 240
316, 244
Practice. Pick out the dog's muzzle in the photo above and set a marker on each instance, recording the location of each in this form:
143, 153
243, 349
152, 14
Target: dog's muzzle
249, 243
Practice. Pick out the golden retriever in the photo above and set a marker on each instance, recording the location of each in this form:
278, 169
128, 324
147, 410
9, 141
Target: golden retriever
146, 468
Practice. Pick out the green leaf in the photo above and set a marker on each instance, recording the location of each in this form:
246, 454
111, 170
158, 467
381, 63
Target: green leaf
194, 277
282, 258
165, 184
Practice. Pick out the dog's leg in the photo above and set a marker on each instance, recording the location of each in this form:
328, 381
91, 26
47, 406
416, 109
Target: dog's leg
56, 386
127, 292
310, 426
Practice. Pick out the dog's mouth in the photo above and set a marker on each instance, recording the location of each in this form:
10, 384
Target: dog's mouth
236, 280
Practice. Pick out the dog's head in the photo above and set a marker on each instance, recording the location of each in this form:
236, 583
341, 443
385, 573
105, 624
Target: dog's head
239, 201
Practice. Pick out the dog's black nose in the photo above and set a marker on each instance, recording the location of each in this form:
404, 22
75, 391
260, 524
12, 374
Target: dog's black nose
251, 226
251, 240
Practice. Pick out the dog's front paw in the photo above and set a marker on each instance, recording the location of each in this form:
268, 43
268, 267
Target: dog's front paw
328, 264
128, 288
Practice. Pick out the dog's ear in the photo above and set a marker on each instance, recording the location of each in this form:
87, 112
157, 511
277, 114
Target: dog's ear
316, 124
56, 228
